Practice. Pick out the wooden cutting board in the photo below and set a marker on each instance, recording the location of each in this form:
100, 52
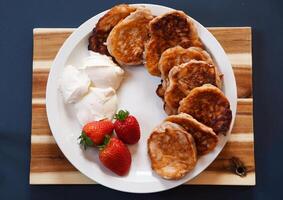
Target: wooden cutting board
48, 164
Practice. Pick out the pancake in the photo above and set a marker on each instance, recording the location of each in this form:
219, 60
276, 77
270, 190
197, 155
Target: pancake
105, 24
185, 77
166, 31
205, 138
172, 151
176, 56
127, 39
160, 90
208, 105
179, 55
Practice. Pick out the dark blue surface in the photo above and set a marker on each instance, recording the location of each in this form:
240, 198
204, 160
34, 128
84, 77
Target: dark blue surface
18, 18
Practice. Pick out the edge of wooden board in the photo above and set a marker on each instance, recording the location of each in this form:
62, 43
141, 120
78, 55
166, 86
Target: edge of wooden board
55, 30
75, 177
52, 30
205, 178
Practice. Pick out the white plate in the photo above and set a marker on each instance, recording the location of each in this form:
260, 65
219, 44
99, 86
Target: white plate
137, 94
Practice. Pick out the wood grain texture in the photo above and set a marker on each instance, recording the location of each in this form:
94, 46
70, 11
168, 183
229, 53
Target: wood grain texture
47, 157
48, 164
205, 178
233, 40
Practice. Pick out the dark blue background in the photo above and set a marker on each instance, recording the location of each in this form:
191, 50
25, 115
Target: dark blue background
18, 18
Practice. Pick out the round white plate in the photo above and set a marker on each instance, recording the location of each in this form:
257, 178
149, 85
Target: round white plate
137, 94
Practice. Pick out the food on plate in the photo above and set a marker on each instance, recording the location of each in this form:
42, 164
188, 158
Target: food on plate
102, 71
115, 155
169, 30
208, 105
99, 103
170, 47
105, 25
127, 127
185, 77
176, 56
205, 138
73, 84
172, 151
94, 132
127, 39
160, 90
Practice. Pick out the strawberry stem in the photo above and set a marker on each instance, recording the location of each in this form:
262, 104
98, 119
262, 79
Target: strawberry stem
121, 115
85, 141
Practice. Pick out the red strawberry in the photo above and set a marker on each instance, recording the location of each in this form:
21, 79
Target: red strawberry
93, 133
115, 155
127, 127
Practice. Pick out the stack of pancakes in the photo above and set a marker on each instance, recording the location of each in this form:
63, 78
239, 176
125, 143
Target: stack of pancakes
169, 47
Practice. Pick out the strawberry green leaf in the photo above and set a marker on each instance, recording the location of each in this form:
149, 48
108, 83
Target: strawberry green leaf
121, 115
105, 142
85, 141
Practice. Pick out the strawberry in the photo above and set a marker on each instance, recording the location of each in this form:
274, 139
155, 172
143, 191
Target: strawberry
127, 127
93, 133
115, 155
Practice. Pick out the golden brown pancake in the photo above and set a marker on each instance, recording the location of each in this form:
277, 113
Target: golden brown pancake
127, 39
160, 90
105, 24
185, 77
176, 56
205, 138
208, 105
169, 30
172, 151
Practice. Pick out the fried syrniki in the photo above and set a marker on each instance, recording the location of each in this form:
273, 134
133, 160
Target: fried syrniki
208, 105
176, 56
127, 39
168, 30
105, 24
172, 151
205, 138
185, 77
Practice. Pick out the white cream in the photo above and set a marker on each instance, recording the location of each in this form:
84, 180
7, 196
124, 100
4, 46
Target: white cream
102, 71
73, 84
98, 104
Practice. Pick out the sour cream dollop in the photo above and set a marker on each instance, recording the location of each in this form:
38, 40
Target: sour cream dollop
73, 84
102, 71
99, 103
